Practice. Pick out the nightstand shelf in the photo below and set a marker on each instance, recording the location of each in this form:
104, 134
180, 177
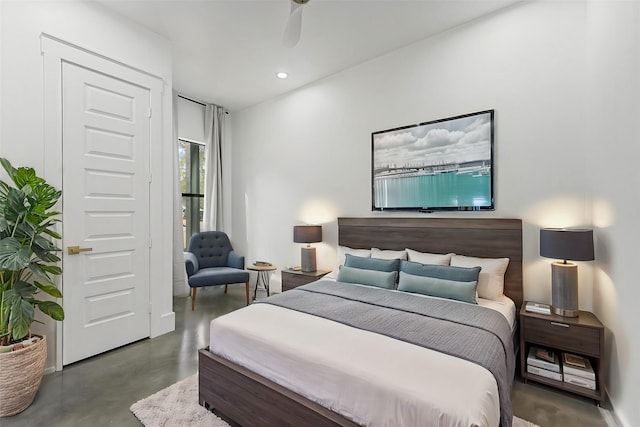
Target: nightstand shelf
294, 278
582, 335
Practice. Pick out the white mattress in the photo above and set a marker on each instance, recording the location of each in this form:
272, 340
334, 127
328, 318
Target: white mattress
369, 378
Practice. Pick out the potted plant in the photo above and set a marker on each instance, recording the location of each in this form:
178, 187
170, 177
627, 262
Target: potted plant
27, 265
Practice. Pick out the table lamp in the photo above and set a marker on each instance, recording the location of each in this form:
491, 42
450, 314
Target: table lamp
565, 244
308, 234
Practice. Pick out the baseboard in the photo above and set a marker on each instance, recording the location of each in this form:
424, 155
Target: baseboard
610, 416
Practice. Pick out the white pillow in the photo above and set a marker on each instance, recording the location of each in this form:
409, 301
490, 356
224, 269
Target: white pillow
344, 250
333, 275
491, 279
428, 258
386, 254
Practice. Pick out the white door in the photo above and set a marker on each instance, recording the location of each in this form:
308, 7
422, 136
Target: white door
105, 191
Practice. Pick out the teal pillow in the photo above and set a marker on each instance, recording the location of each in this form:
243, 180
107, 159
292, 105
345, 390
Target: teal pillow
446, 272
433, 286
380, 279
378, 264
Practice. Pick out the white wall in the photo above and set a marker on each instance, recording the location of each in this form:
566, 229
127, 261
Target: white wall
22, 133
614, 112
305, 157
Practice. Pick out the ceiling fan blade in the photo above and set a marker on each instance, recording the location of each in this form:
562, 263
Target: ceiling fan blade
294, 26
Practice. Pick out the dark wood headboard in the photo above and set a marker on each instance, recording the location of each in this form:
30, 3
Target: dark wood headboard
483, 237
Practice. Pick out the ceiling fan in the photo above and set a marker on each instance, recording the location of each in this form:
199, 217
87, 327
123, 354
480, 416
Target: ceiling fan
294, 23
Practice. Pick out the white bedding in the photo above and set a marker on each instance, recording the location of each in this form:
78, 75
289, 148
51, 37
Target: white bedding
504, 305
371, 379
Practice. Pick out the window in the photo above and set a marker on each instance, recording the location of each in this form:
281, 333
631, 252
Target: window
192, 165
191, 158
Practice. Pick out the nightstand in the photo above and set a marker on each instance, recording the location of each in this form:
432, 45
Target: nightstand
292, 278
582, 335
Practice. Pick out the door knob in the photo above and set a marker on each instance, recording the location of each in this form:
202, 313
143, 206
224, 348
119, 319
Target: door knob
75, 250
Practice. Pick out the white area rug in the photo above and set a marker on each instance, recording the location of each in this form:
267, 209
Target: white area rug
177, 405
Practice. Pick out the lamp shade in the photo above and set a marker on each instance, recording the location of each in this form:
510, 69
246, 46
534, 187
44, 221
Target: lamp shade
307, 233
567, 244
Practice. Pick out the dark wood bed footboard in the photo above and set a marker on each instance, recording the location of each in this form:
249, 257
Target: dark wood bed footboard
252, 400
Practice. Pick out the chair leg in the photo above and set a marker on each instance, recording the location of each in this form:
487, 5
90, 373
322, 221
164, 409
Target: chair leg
193, 299
246, 287
225, 289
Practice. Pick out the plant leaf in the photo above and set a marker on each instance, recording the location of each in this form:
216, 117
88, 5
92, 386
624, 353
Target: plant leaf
44, 249
4, 225
13, 256
11, 171
52, 269
52, 233
36, 269
17, 206
24, 230
43, 270
48, 288
24, 176
20, 318
25, 290
51, 309
45, 256
45, 244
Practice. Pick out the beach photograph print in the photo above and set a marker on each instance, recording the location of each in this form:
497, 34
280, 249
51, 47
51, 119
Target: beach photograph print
440, 165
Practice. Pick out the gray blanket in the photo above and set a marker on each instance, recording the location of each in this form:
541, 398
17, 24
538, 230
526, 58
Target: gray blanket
467, 331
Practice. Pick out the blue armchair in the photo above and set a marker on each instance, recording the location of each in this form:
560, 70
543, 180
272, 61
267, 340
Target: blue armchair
211, 261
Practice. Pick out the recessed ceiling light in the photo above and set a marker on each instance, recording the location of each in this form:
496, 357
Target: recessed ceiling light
282, 75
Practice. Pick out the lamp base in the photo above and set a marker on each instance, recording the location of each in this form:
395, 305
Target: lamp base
564, 289
308, 259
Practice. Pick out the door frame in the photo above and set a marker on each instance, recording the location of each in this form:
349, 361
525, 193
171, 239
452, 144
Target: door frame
55, 52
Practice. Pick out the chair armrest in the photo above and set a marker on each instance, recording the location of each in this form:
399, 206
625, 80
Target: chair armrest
191, 263
235, 260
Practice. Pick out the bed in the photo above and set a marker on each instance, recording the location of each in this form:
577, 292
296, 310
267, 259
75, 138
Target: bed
255, 395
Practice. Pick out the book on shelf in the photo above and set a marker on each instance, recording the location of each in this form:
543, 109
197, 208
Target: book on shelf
537, 307
550, 360
581, 369
574, 360
544, 373
579, 381
548, 355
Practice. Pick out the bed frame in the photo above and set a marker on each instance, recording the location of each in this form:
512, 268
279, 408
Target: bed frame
247, 399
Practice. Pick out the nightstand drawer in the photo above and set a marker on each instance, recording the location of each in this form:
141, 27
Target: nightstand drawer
293, 281
564, 336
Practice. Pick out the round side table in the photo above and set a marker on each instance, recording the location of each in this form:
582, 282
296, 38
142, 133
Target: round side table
263, 276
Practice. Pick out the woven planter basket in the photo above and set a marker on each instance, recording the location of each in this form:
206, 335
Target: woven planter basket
20, 375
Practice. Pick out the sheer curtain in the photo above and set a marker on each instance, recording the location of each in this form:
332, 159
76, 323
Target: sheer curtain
180, 287
214, 129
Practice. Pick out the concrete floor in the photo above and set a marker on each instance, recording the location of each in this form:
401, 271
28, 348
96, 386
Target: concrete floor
549, 407
99, 391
